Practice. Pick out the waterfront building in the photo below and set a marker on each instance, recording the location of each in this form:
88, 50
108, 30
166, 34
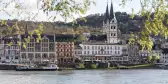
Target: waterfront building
133, 53
111, 49
10, 45
104, 52
64, 46
164, 54
38, 52
2, 49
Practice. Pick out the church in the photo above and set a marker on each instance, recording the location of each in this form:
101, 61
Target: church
111, 50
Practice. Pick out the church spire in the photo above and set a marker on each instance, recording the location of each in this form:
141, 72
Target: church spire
106, 14
111, 12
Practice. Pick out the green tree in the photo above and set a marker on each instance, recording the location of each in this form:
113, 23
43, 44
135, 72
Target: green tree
81, 37
65, 8
153, 58
154, 12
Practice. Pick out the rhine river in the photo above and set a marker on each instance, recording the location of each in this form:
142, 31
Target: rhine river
141, 76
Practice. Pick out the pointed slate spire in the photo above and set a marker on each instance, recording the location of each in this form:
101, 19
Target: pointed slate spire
106, 14
111, 11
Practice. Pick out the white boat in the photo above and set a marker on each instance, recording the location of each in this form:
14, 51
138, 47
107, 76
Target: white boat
52, 67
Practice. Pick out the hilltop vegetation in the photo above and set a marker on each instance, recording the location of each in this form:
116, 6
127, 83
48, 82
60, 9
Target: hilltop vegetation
93, 24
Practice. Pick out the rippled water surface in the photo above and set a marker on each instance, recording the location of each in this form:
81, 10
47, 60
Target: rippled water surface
142, 76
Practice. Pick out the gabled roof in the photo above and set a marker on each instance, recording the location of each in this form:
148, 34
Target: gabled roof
50, 37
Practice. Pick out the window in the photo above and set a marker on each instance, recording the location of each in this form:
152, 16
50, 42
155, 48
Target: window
88, 47
114, 34
111, 47
118, 52
84, 52
112, 58
95, 47
16, 57
111, 27
115, 52
111, 34
107, 52
88, 52
7, 57
84, 47
114, 27
17, 52
92, 52
107, 47
92, 47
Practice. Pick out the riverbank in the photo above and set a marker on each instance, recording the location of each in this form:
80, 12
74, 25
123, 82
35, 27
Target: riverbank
93, 67
142, 66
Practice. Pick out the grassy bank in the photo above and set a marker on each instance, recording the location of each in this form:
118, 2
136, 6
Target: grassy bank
142, 66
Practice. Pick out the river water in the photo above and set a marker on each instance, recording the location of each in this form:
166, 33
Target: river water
142, 76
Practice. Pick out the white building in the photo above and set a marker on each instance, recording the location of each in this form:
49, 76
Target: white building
1, 49
164, 54
11, 49
108, 51
38, 52
104, 52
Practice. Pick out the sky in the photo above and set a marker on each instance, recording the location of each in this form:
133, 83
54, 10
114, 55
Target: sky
31, 6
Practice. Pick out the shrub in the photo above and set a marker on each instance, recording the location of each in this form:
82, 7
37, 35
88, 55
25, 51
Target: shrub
93, 66
81, 65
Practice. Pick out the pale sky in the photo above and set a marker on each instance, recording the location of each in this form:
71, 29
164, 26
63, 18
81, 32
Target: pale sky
31, 5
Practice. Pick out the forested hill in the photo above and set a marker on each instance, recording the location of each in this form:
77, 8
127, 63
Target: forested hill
125, 23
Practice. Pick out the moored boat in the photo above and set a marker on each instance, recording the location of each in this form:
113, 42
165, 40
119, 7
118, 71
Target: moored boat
52, 67
165, 66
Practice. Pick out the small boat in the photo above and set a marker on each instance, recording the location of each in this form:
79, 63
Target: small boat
165, 66
52, 67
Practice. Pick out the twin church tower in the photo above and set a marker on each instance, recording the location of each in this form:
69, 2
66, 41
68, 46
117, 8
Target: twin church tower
110, 25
